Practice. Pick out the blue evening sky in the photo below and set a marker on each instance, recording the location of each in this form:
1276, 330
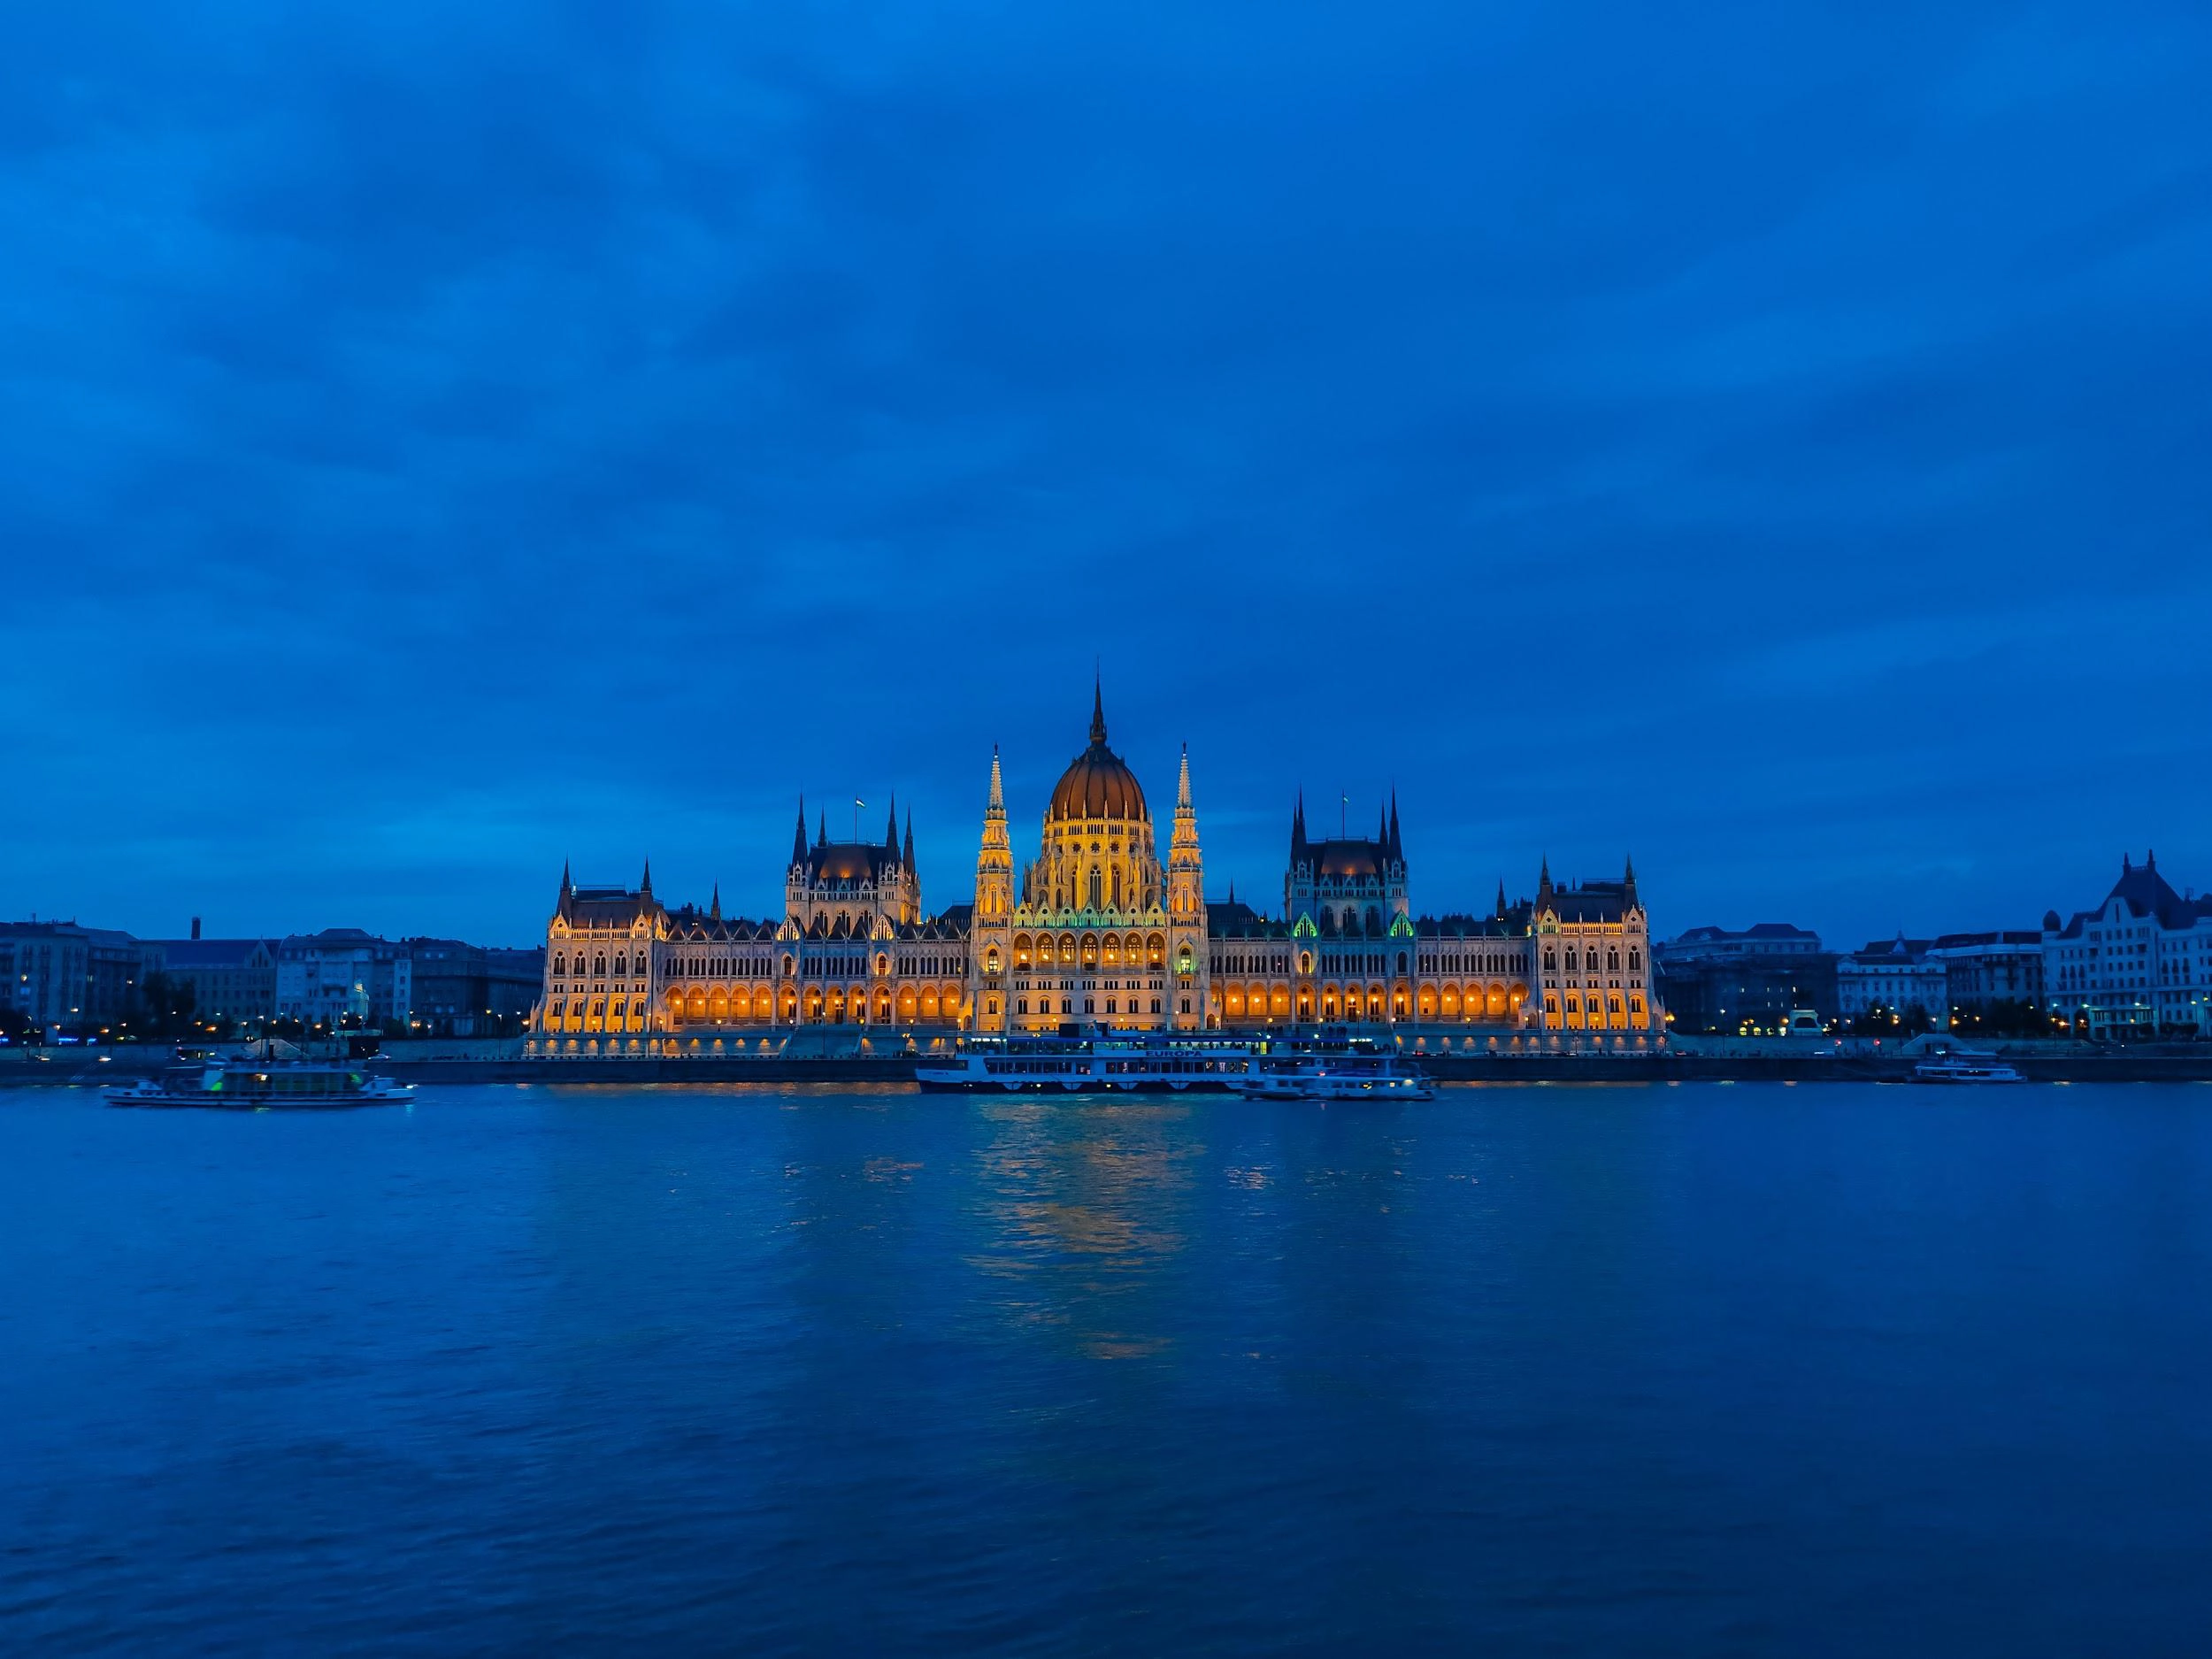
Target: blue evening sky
438, 440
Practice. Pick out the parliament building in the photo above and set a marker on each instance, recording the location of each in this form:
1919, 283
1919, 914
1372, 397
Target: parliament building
1096, 930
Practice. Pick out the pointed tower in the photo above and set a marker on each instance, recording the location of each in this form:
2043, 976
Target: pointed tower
990, 930
645, 882
1628, 884
1543, 884
1186, 911
714, 907
906, 853
1502, 898
891, 827
568, 891
1396, 889
798, 838
821, 828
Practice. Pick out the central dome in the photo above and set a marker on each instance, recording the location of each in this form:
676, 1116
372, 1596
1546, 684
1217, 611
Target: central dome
1098, 784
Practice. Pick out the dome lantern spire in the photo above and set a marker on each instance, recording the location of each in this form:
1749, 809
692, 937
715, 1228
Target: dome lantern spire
1098, 784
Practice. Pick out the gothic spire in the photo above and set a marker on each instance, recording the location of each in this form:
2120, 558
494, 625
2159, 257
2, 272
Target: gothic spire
1543, 882
714, 907
1628, 881
567, 886
645, 886
891, 830
907, 857
1500, 898
798, 835
1182, 783
821, 828
994, 841
1098, 712
1298, 828
1397, 846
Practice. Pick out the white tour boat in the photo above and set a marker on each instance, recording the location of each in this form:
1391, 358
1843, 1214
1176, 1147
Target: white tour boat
256, 1085
1334, 1066
1965, 1068
1079, 1059
1328, 1064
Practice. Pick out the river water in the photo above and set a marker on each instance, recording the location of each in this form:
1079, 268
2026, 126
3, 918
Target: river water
1690, 1369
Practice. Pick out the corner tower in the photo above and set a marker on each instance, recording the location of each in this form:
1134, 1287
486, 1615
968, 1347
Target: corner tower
1186, 908
990, 932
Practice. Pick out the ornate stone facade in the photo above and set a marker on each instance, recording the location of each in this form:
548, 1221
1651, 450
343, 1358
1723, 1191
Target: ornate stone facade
1097, 930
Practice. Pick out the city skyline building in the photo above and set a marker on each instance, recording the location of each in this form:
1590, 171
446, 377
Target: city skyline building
1098, 929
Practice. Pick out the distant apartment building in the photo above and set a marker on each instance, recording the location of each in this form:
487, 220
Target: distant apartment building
465, 990
342, 975
1985, 971
64, 975
232, 981
1895, 977
2138, 965
1718, 980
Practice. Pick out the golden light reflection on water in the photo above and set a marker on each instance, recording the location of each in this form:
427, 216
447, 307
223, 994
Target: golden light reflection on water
1087, 1204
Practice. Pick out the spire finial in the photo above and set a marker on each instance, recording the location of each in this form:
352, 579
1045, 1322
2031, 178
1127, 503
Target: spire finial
714, 907
645, 886
891, 830
1098, 710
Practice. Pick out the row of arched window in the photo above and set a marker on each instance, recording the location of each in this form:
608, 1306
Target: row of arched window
598, 964
1587, 960
1092, 949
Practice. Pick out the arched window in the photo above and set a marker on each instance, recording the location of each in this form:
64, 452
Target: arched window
599, 967
1551, 962
1635, 960
560, 963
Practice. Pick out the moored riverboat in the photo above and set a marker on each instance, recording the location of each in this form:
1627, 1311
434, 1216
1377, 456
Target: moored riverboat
260, 1085
1965, 1068
1333, 1066
1078, 1059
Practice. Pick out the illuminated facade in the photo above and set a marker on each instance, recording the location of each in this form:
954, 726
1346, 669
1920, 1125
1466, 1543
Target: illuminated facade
1097, 929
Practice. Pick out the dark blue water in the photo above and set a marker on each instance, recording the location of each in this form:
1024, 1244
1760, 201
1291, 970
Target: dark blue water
1692, 1370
